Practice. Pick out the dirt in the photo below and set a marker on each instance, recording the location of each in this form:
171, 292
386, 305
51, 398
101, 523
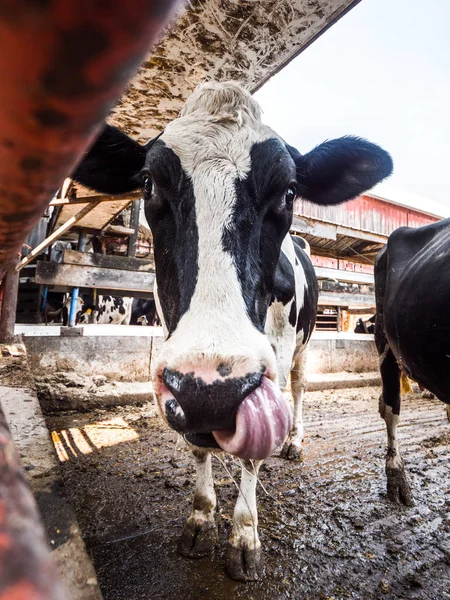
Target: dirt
327, 528
84, 392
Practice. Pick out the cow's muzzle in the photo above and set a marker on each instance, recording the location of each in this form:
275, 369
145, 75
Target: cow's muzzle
246, 416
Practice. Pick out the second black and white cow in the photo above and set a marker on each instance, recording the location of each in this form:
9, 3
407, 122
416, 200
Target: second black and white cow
412, 329
236, 294
144, 312
109, 310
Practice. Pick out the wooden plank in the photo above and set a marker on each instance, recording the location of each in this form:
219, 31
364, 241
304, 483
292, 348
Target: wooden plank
108, 261
87, 199
361, 235
98, 219
93, 277
56, 234
347, 300
347, 276
10, 285
134, 224
317, 228
119, 230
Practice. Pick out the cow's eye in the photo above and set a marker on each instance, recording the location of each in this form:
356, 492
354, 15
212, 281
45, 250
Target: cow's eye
146, 181
290, 195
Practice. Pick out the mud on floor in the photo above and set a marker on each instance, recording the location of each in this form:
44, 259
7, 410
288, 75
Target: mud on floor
326, 526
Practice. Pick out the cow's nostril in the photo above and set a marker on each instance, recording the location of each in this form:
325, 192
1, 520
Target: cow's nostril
175, 415
172, 379
224, 369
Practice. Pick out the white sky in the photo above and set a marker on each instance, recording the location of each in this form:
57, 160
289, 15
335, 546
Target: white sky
381, 72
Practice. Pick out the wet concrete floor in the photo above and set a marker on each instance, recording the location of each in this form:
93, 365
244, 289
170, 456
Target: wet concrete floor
327, 528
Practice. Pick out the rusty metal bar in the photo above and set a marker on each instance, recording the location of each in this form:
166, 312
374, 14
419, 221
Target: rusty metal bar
62, 66
10, 285
26, 569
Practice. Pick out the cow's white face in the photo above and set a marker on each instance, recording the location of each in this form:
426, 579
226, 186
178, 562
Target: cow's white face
219, 208
219, 188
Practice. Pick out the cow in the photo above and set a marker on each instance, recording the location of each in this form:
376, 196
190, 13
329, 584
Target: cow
144, 312
236, 294
57, 308
412, 329
111, 310
365, 326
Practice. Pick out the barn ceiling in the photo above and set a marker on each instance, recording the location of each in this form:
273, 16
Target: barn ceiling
245, 40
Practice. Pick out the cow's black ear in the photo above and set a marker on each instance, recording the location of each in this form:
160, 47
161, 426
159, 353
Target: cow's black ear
112, 163
341, 169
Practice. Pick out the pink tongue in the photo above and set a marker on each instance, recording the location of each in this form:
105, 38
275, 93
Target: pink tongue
263, 421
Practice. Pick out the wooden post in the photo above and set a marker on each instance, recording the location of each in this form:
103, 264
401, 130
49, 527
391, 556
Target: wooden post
10, 286
134, 224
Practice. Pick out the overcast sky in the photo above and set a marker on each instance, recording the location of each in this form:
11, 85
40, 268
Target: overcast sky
381, 72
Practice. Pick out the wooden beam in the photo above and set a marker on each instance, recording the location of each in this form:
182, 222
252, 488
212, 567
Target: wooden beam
108, 261
343, 299
311, 227
89, 199
10, 285
358, 234
134, 224
346, 276
56, 234
118, 230
93, 277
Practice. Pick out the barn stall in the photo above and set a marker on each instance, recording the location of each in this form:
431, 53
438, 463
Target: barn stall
126, 477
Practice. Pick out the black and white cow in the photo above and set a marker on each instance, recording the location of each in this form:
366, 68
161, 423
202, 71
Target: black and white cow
236, 294
109, 310
144, 312
412, 328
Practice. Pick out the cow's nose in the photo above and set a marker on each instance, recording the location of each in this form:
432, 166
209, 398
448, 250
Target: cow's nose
198, 407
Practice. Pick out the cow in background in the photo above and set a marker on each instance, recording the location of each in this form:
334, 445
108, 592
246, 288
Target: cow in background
57, 308
144, 312
365, 326
412, 330
111, 310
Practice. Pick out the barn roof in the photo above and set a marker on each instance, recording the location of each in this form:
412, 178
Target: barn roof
243, 40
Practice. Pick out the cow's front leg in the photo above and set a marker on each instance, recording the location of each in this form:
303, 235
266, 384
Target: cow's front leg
448, 412
398, 489
200, 532
292, 448
244, 548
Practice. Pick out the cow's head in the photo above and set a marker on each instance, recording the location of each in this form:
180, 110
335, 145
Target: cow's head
219, 188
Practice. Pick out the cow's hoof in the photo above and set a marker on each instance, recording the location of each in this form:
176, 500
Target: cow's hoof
198, 540
243, 563
398, 489
292, 451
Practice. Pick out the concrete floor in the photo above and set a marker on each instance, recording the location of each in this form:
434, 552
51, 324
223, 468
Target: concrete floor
327, 528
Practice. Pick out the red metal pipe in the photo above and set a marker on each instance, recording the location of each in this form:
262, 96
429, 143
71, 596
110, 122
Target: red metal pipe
26, 569
62, 66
